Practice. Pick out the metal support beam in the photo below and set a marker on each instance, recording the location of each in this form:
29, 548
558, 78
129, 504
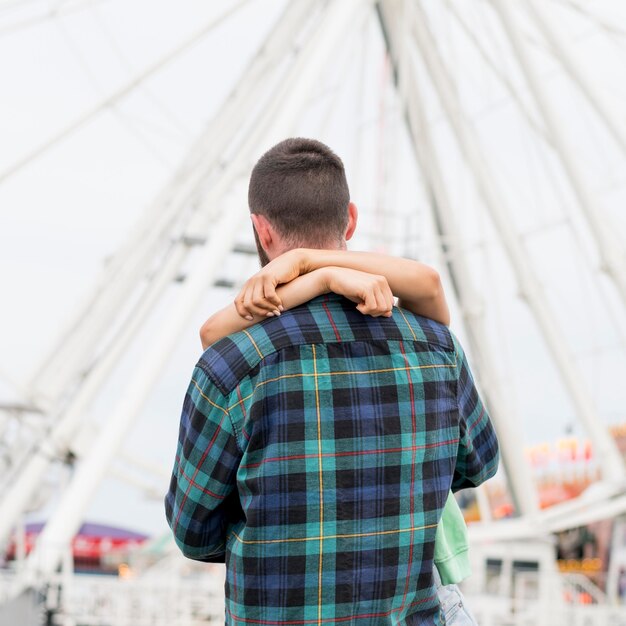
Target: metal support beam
32, 465
66, 520
529, 284
489, 60
576, 73
72, 356
118, 95
282, 112
610, 249
503, 414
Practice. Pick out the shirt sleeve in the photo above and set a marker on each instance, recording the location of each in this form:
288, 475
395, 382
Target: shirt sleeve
202, 498
478, 452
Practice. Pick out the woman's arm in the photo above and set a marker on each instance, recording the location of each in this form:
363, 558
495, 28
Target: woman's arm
417, 286
370, 291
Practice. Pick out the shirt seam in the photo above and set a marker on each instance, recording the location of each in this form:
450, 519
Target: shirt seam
451, 556
229, 392
232, 424
226, 399
456, 383
230, 417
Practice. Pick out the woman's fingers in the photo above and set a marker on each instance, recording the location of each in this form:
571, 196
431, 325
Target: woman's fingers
388, 298
241, 310
376, 298
269, 291
371, 303
380, 305
367, 305
240, 303
261, 302
249, 301
252, 301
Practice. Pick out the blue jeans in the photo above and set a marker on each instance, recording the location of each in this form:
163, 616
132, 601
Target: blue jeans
453, 607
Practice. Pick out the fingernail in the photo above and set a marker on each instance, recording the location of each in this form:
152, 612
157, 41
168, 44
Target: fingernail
269, 314
276, 312
249, 317
281, 307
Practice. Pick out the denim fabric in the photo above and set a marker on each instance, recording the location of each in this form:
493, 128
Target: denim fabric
453, 606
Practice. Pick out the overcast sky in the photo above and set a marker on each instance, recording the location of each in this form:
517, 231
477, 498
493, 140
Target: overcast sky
65, 213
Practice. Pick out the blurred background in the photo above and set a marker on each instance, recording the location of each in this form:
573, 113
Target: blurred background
484, 137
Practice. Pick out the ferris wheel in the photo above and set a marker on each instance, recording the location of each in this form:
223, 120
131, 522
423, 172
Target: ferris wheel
483, 136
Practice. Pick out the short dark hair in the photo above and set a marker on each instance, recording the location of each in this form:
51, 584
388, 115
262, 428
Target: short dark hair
300, 186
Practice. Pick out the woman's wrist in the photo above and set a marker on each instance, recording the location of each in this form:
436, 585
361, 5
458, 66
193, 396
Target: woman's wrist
305, 260
323, 279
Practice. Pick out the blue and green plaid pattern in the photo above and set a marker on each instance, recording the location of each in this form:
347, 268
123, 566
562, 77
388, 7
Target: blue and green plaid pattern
315, 455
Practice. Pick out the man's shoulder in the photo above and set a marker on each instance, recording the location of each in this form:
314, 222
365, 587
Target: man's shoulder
324, 319
429, 332
230, 359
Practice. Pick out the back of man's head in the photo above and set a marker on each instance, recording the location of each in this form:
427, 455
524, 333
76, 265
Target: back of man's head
300, 187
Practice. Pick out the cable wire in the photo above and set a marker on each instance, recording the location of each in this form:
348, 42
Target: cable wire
601, 23
118, 95
122, 117
127, 64
52, 14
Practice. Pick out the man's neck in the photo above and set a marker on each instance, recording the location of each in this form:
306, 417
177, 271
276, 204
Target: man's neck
329, 246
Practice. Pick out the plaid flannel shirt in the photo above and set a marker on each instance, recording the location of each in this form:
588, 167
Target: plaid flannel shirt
315, 455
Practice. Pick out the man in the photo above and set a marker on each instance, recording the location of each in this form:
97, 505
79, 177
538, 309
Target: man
317, 448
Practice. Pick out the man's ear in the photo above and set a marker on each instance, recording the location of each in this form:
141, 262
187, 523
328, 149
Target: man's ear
353, 216
264, 231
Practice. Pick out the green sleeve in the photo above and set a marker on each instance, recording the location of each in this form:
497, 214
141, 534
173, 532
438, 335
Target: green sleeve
451, 544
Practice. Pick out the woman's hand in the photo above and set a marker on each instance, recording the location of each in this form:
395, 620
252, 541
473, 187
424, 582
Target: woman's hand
258, 295
371, 291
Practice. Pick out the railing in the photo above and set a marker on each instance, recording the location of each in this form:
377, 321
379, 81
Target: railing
168, 599
7, 585
541, 599
95, 600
